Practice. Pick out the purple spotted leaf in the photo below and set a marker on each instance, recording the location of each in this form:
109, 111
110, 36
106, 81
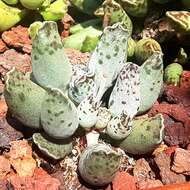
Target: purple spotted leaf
126, 92
124, 101
88, 111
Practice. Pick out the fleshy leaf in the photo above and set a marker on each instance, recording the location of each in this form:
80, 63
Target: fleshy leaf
146, 134
98, 164
59, 115
108, 57
24, 98
80, 86
54, 149
119, 127
49, 62
104, 116
151, 81
88, 111
172, 74
124, 101
126, 92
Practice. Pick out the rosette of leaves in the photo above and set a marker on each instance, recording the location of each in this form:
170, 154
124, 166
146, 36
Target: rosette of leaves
105, 64
47, 107
98, 164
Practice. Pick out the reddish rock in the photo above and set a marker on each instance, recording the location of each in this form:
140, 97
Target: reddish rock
67, 21
8, 133
149, 183
185, 79
76, 57
12, 58
163, 162
142, 170
40, 181
123, 181
4, 185
5, 167
178, 95
181, 162
3, 46
3, 108
176, 121
18, 38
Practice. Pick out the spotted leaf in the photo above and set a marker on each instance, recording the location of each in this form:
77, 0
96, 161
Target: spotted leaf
59, 115
50, 64
24, 98
151, 81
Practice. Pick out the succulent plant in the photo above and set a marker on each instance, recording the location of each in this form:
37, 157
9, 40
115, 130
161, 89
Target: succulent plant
105, 63
87, 6
54, 149
30, 4
136, 8
11, 2
76, 40
145, 48
24, 98
59, 116
50, 65
113, 13
98, 164
180, 20
89, 43
108, 58
11, 15
54, 11
173, 73
151, 81
146, 134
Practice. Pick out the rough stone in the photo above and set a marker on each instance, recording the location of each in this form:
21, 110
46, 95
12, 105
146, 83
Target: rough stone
18, 38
